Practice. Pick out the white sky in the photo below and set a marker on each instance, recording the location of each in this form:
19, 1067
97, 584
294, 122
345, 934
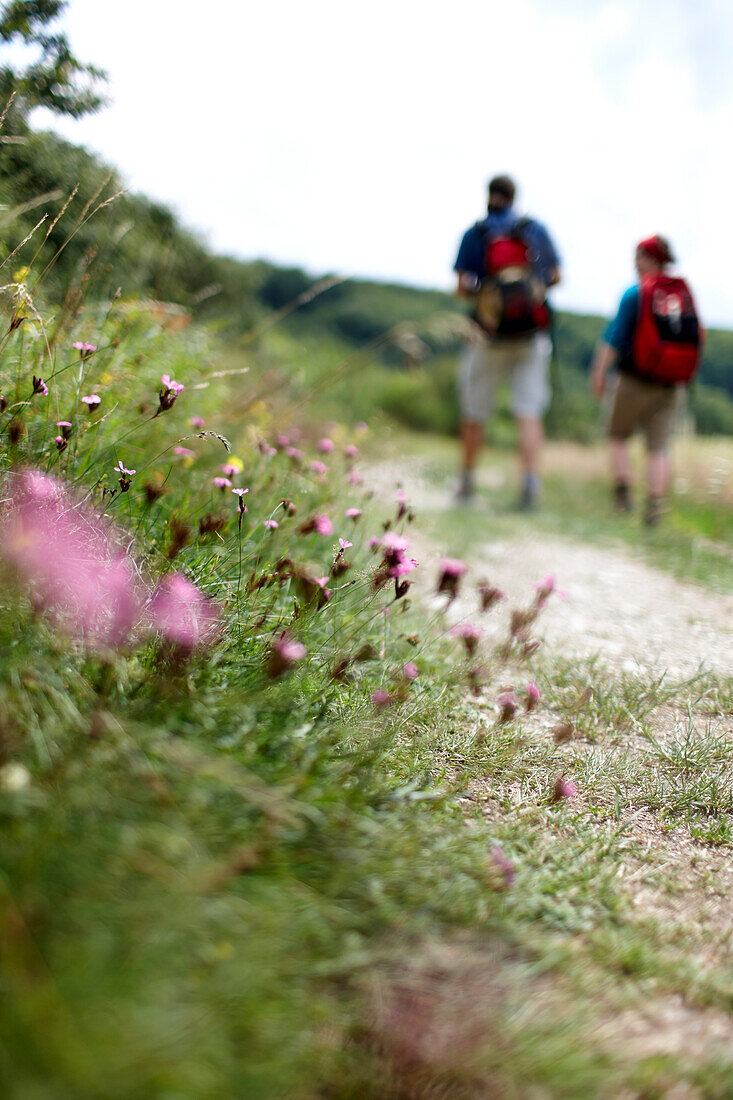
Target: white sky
358, 138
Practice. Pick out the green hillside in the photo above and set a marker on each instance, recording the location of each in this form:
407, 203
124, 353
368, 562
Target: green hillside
101, 241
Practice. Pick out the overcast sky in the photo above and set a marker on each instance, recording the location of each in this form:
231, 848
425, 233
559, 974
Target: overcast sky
358, 138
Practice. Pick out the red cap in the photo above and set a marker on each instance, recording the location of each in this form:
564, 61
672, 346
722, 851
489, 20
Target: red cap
657, 248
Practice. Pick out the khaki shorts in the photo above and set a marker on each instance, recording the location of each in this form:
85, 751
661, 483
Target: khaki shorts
643, 406
526, 364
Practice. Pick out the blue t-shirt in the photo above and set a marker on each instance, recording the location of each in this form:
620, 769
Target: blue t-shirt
619, 332
543, 254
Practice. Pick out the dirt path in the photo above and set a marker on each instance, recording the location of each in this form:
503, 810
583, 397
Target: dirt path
636, 617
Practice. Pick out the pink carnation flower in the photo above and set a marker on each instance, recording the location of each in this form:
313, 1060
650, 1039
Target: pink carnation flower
184, 452
409, 671
69, 560
285, 653
270, 524
84, 349
533, 696
351, 450
564, 790
469, 633
323, 525
181, 613
222, 483
92, 400
353, 513
381, 698
325, 445
319, 468
197, 422
344, 544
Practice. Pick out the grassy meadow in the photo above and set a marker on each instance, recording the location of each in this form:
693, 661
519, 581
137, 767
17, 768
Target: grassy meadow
278, 819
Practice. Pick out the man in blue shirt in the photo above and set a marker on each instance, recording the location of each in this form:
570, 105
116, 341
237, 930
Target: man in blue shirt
525, 359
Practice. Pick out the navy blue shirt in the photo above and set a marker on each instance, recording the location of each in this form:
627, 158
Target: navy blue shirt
543, 254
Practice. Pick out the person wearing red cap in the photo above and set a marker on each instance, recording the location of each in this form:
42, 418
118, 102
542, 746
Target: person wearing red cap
653, 342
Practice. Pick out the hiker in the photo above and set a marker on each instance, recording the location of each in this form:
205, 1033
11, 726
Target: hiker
654, 343
505, 265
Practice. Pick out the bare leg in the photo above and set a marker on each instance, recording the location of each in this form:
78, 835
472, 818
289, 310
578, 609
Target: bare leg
620, 464
531, 438
657, 473
472, 435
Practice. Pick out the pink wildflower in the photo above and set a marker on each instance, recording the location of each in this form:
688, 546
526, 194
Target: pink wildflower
381, 698
351, 450
285, 653
564, 790
451, 571
168, 394
319, 468
228, 469
282, 440
197, 422
84, 349
469, 633
270, 524
125, 476
409, 671
533, 696
353, 513
241, 508
323, 525
545, 589
508, 705
354, 477
295, 456
69, 560
40, 387
60, 442
92, 401
344, 544
66, 427
181, 613
325, 445
222, 483
503, 865
184, 452
488, 595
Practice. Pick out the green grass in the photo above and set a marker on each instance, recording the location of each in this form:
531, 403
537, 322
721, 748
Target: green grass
213, 883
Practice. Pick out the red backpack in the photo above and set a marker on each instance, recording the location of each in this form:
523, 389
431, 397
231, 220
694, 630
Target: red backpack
511, 300
668, 335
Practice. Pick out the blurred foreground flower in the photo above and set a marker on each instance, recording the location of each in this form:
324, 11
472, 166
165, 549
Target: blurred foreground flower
285, 653
78, 573
181, 613
92, 401
69, 561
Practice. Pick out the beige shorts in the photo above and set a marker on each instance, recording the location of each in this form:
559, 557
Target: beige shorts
526, 365
643, 406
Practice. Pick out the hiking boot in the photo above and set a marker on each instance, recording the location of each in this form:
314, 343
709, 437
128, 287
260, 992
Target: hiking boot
622, 497
653, 511
529, 498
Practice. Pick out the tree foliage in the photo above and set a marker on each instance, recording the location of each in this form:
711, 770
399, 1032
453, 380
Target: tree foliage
53, 77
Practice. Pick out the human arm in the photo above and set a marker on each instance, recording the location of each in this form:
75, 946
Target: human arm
467, 284
605, 357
